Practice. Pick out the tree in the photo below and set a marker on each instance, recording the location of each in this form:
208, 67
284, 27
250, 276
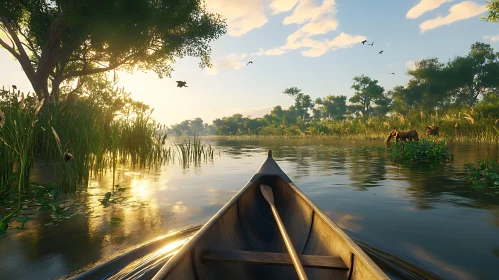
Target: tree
367, 93
196, 126
431, 80
475, 74
57, 41
303, 102
332, 106
493, 8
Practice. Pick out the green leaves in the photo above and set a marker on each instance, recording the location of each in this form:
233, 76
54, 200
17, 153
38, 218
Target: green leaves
368, 93
483, 175
493, 7
420, 152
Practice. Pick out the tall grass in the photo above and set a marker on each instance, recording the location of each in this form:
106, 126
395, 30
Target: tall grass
193, 152
18, 139
466, 125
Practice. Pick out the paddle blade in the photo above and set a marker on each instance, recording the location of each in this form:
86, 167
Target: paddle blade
267, 193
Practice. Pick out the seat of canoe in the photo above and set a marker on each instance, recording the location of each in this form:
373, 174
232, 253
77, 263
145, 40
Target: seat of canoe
269, 258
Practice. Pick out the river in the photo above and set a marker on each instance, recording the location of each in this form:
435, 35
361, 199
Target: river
426, 217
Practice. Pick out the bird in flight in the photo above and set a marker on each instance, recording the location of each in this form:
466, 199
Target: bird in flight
181, 84
381, 52
372, 44
249, 63
14, 87
363, 42
393, 73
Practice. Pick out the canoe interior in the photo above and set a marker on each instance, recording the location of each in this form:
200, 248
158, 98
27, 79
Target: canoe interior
247, 224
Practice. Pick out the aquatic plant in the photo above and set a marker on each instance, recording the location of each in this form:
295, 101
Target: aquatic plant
420, 152
18, 138
483, 175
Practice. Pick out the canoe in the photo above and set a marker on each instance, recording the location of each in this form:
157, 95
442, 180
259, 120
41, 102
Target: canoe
242, 240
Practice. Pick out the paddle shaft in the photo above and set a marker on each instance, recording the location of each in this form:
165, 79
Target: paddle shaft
289, 245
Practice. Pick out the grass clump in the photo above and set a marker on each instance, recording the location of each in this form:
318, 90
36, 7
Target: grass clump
483, 175
420, 152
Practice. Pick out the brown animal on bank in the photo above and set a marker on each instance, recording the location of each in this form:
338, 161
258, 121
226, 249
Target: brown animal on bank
432, 130
403, 135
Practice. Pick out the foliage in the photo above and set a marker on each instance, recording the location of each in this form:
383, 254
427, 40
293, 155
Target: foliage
484, 174
420, 152
56, 41
332, 107
367, 94
493, 8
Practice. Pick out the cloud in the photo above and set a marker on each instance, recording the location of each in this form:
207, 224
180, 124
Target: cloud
234, 61
313, 19
341, 41
411, 65
275, 51
242, 15
491, 38
461, 11
425, 6
279, 6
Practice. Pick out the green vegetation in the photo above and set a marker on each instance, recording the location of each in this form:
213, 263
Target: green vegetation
83, 136
483, 175
461, 97
420, 152
493, 8
59, 42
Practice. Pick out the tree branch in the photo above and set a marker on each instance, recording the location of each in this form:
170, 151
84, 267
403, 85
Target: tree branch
90, 71
10, 49
22, 56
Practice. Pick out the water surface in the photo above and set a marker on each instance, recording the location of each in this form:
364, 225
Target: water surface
424, 216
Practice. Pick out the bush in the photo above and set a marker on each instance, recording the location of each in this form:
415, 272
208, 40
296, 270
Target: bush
485, 174
423, 151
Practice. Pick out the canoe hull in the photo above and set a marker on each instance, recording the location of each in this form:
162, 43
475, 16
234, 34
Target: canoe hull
246, 223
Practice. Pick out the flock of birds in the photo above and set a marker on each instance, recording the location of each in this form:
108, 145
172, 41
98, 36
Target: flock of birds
380, 52
182, 84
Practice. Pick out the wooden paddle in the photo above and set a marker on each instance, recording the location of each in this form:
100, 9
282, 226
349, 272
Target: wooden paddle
269, 196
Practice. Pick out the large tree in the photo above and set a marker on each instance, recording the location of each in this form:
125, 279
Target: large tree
303, 102
367, 94
332, 106
430, 78
475, 74
493, 8
60, 40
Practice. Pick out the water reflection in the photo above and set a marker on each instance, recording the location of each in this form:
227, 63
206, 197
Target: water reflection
427, 217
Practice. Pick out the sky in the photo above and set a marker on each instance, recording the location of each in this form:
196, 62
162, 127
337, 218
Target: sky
311, 44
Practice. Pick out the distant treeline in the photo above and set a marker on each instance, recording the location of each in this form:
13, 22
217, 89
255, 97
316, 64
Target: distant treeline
461, 96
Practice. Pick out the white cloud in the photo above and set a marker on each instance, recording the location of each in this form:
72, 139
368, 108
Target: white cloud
242, 15
341, 41
425, 6
234, 61
313, 19
461, 11
491, 38
411, 64
279, 6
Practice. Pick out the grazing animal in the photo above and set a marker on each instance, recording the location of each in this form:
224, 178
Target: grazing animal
403, 135
363, 42
393, 73
432, 130
181, 84
249, 63
381, 52
372, 44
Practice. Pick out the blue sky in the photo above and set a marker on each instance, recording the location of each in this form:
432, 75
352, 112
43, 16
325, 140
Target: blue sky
311, 44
